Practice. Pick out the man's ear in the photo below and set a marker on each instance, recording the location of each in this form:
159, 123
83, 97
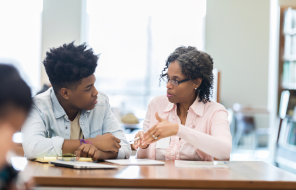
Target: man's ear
65, 93
197, 82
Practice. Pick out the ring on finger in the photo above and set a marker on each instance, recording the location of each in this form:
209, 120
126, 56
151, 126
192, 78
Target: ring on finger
154, 137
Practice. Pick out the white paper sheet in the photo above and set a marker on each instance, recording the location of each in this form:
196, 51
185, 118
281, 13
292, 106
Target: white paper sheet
200, 164
138, 162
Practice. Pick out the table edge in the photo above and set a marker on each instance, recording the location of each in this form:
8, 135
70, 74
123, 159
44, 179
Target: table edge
162, 183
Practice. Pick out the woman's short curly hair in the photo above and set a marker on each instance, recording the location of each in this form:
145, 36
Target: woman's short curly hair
14, 90
194, 64
68, 64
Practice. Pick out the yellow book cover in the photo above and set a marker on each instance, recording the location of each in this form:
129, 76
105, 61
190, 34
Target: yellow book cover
48, 159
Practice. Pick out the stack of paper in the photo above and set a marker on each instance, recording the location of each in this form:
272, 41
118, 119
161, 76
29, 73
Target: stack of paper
200, 164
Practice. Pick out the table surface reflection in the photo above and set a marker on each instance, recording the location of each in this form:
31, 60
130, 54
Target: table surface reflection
240, 175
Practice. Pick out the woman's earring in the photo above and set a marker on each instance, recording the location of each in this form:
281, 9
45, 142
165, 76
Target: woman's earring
195, 88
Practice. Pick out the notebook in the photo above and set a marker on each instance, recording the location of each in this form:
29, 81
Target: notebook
48, 159
137, 162
199, 164
82, 165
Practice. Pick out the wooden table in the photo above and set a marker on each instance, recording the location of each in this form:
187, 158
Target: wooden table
240, 175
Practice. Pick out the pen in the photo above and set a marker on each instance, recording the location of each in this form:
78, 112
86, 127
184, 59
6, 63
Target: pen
134, 139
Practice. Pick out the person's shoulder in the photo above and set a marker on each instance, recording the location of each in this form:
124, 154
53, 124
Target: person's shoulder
159, 103
43, 100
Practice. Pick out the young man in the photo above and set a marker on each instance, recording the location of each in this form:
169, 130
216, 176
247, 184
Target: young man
73, 116
15, 104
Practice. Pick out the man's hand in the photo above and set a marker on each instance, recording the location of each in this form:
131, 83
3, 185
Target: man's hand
106, 142
88, 150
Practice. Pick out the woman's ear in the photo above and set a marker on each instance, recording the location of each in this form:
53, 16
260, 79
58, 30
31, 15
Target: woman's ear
197, 82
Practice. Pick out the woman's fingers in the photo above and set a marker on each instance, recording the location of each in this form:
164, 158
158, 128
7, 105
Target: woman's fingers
141, 133
134, 146
158, 118
149, 140
136, 143
154, 141
157, 134
149, 133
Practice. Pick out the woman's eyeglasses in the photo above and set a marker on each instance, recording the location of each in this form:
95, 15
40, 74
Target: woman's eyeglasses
176, 82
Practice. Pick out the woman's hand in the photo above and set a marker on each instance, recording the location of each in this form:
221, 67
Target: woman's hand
138, 143
161, 130
88, 150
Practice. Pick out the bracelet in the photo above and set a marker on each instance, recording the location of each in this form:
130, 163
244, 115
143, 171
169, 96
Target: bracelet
84, 141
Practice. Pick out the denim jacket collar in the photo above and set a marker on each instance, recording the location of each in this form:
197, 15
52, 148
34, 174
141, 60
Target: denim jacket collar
57, 108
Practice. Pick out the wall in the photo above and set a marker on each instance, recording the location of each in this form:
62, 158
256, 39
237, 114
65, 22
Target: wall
287, 2
237, 37
240, 51
61, 23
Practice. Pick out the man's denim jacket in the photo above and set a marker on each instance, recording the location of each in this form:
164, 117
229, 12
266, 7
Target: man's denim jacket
48, 125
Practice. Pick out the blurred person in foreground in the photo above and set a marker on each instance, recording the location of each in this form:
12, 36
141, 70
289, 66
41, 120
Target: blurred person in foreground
185, 124
15, 104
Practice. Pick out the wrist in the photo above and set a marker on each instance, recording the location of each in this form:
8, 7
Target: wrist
92, 141
84, 141
145, 147
101, 155
176, 128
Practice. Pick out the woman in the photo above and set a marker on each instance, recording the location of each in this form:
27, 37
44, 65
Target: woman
185, 124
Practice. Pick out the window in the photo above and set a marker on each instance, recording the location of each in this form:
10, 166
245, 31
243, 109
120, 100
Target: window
20, 38
134, 39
